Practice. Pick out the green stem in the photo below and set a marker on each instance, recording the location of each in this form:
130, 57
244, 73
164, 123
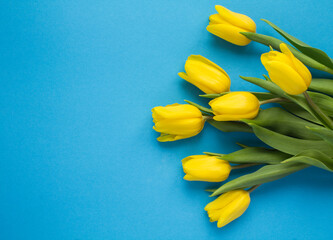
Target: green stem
321, 115
206, 117
274, 100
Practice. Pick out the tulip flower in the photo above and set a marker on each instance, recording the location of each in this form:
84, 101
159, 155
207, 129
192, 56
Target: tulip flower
206, 75
228, 25
228, 207
177, 121
286, 70
235, 106
205, 168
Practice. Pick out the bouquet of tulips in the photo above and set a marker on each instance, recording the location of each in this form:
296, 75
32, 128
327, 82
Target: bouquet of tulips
298, 132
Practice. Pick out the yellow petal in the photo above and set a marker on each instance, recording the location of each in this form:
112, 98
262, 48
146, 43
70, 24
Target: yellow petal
206, 75
168, 137
234, 209
183, 75
223, 200
175, 111
297, 64
206, 168
193, 157
229, 33
236, 19
286, 77
214, 215
235, 104
216, 19
180, 126
230, 117
207, 61
275, 56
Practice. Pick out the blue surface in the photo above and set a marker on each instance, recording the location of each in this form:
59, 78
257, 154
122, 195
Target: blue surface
79, 158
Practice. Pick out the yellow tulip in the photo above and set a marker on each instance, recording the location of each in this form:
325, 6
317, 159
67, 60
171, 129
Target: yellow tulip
205, 168
235, 106
228, 207
206, 75
177, 121
228, 25
286, 71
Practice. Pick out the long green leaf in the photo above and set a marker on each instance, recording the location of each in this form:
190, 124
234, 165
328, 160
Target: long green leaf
256, 155
313, 53
230, 126
314, 158
203, 109
323, 101
285, 123
288, 144
263, 175
298, 111
322, 85
324, 133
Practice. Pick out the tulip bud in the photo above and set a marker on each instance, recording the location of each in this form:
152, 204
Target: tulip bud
286, 70
206, 75
235, 106
228, 25
205, 168
228, 207
177, 121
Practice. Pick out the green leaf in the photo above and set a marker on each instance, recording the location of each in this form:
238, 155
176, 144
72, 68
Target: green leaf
288, 144
230, 126
299, 111
266, 77
323, 101
201, 108
313, 53
322, 85
255, 155
324, 133
263, 175
285, 123
314, 158
269, 86
275, 43
210, 190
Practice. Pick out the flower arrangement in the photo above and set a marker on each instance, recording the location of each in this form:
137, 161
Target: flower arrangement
298, 133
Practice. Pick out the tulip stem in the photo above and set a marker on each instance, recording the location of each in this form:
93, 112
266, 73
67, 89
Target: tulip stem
274, 100
327, 121
253, 188
244, 165
207, 117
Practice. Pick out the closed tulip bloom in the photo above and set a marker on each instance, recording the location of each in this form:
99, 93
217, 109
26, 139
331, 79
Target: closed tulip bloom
286, 70
228, 207
206, 75
235, 106
205, 168
228, 25
177, 121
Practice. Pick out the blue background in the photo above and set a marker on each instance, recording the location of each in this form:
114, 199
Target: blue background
79, 158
